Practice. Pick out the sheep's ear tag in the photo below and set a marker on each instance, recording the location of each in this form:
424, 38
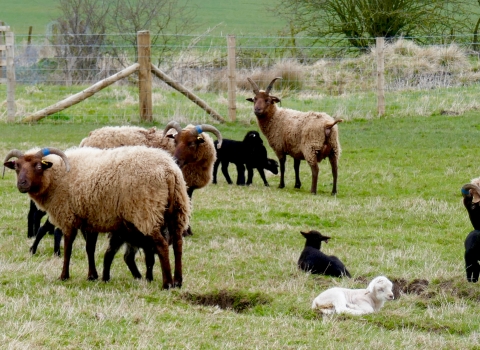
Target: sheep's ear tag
46, 165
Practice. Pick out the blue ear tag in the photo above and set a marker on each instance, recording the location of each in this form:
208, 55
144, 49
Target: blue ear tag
465, 192
45, 152
199, 129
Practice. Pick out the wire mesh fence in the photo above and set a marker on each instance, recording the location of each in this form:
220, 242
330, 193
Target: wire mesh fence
423, 76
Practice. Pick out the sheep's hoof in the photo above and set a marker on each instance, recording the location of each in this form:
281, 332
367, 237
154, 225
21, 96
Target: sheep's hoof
166, 285
281, 186
64, 277
177, 284
33, 250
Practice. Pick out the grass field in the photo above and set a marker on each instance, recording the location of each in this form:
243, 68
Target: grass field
232, 17
398, 213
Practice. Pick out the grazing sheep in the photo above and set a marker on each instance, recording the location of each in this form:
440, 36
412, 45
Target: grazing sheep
140, 190
472, 256
355, 301
250, 153
471, 201
315, 261
310, 136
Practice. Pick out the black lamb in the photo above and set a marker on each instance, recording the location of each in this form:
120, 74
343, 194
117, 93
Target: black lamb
249, 153
472, 255
314, 261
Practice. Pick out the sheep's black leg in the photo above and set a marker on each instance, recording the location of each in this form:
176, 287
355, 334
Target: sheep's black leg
39, 214
30, 220
240, 174
296, 167
225, 172
128, 257
149, 261
215, 169
261, 171
42, 231
91, 243
334, 164
282, 160
67, 253
57, 238
249, 175
114, 244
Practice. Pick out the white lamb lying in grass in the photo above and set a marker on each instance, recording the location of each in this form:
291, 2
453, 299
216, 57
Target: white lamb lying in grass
355, 301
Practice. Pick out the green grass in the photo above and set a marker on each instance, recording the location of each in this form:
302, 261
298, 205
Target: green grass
398, 213
232, 17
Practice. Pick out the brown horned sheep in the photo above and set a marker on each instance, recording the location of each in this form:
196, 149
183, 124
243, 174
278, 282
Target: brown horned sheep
310, 136
137, 189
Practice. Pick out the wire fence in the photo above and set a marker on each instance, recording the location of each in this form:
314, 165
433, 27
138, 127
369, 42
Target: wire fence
423, 76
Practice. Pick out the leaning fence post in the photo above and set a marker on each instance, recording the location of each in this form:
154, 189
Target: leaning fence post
380, 76
232, 84
144, 76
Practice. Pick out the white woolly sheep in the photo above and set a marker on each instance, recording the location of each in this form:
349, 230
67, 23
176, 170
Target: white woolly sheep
355, 301
127, 189
310, 136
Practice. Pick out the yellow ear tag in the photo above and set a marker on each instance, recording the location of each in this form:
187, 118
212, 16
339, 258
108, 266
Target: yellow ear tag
44, 162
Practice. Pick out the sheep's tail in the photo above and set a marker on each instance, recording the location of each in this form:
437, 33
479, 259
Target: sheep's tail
328, 127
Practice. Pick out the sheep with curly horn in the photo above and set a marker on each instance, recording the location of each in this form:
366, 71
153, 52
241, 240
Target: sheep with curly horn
310, 136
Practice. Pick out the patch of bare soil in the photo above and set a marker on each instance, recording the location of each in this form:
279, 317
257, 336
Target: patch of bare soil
227, 299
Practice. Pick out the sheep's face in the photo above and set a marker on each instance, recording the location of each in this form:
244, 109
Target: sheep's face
187, 147
262, 103
253, 138
314, 239
272, 165
381, 287
31, 166
29, 169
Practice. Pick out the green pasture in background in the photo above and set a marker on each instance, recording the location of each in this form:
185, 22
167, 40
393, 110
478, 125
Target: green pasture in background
230, 17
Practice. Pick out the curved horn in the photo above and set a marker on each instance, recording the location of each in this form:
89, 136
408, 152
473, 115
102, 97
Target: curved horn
468, 187
213, 130
172, 125
13, 153
254, 85
52, 150
270, 86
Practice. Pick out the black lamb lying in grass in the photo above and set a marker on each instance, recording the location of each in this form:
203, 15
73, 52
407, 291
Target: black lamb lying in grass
249, 153
314, 261
472, 255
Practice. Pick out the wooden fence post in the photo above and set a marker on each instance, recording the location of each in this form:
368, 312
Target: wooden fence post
144, 76
3, 61
380, 76
232, 83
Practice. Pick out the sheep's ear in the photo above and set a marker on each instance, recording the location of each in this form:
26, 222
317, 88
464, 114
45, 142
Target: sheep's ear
46, 165
10, 164
250, 99
304, 234
275, 99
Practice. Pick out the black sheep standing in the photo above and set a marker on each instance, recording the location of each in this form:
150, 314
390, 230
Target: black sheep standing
316, 262
471, 201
